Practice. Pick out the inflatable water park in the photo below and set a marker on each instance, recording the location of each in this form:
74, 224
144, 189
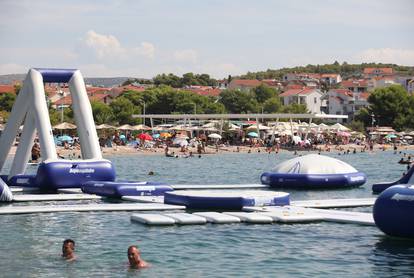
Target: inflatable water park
157, 203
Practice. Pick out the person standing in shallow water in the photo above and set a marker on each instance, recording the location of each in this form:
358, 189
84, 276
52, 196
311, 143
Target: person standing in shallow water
134, 258
68, 250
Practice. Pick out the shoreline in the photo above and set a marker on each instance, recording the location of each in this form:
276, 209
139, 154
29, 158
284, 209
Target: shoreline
75, 153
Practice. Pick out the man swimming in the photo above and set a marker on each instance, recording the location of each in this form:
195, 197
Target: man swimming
134, 258
68, 250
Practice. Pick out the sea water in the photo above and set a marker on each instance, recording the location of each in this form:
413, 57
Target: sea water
30, 245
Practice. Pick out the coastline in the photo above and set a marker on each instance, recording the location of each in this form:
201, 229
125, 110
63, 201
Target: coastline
74, 153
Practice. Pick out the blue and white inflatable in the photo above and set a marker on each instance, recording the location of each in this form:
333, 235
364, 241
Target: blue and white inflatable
313, 171
30, 109
394, 211
226, 200
408, 178
119, 188
5, 193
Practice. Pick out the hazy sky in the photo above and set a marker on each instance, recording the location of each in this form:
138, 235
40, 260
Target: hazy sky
143, 38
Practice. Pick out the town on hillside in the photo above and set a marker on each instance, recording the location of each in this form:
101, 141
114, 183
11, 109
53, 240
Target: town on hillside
325, 93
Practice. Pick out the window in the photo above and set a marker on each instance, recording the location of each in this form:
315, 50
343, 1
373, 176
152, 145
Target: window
315, 100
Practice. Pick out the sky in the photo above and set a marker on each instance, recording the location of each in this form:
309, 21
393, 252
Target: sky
143, 38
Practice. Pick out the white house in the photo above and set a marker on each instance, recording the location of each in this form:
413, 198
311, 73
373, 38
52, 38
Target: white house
345, 102
311, 97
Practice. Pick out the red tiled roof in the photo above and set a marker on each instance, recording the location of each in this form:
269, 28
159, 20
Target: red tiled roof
67, 100
354, 83
6, 89
205, 92
364, 95
98, 97
93, 90
295, 86
382, 70
246, 82
293, 92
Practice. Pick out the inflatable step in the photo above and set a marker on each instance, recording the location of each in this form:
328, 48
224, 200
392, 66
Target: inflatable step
183, 218
335, 203
152, 219
218, 218
53, 197
251, 217
292, 215
144, 199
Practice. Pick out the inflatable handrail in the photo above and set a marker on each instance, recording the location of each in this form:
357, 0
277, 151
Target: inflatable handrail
56, 75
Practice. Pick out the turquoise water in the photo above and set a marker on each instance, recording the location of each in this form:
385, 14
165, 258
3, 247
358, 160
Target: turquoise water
30, 245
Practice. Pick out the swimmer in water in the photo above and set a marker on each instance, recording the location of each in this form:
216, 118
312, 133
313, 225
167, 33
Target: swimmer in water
68, 250
134, 258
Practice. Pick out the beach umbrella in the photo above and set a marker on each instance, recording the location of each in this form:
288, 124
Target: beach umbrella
141, 127
165, 135
156, 136
122, 136
145, 137
391, 136
180, 141
64, 138
261, 127
252, 134
343, 134
214, 136
64, 125
105, 126
408, 137
125, 127
339, 127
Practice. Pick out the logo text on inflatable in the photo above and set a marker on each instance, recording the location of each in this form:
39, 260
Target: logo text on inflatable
81, 171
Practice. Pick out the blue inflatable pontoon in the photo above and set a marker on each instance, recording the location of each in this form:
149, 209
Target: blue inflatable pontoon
313, 171
394, 211
118, 189
226, 200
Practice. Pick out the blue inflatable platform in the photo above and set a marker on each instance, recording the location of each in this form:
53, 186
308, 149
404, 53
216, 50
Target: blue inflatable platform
226, 200
123, 188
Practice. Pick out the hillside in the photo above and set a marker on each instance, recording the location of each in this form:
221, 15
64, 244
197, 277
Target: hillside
345, 70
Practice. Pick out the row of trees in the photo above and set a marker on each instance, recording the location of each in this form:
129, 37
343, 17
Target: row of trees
345, 70
167, 100
175, 81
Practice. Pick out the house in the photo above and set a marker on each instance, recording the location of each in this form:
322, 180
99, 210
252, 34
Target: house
345, 102
311, 97
355, 85
204, 90
117, 91
377, 72
407, 82
243, 84
383, 81
331, 78
6, 89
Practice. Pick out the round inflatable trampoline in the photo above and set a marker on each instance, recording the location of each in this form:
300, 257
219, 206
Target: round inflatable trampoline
118, 189
394, 211
313, 171
231, 200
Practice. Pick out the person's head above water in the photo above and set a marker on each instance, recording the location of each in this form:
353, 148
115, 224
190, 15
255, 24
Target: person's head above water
68, 249
134, 257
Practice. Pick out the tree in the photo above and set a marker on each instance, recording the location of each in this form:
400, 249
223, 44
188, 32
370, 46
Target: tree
272, 105
295, 108
239, 101
102, 113
263, 93
123, 109
389, 105
7, 101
